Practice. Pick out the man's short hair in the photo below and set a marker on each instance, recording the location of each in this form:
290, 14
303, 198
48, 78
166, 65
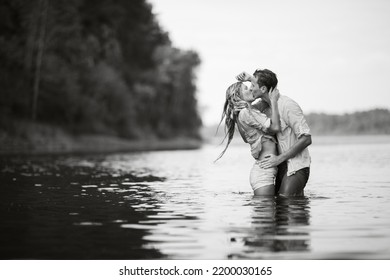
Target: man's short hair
266, 78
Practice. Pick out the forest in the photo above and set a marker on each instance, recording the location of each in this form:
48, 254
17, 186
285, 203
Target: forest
95, 66
369, 122
375, 121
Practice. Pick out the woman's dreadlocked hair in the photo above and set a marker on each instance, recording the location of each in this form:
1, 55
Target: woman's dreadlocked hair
232, 107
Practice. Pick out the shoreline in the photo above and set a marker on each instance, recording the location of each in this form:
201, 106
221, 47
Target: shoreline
48, 140
97, 144
26, 138
319, 140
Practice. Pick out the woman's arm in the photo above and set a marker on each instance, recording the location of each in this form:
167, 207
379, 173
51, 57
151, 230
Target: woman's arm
247, 95
246, 77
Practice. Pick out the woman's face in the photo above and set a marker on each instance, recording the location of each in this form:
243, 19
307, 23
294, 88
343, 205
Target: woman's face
246, 93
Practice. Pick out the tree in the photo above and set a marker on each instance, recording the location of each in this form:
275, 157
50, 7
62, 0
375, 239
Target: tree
96, 66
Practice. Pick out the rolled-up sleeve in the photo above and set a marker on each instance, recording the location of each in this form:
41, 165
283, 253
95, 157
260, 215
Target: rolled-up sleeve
259, 120
296, 120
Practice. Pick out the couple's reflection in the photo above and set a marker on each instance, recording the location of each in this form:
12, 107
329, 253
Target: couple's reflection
279, 224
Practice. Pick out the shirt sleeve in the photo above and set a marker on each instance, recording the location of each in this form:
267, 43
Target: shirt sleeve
256, 119
296, 120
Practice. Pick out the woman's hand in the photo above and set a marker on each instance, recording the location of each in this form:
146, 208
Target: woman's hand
244, 77
274, 94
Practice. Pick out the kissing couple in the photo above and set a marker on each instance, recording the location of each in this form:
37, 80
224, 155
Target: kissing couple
276, 130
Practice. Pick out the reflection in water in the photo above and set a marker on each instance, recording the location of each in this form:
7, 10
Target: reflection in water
179, 205
72, 209
278, 224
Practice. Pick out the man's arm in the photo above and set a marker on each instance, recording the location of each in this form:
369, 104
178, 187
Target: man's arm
296, 120
275, 119
273, 160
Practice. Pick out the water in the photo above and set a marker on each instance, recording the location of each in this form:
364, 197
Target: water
180, 205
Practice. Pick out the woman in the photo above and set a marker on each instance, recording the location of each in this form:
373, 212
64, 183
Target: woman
256, 129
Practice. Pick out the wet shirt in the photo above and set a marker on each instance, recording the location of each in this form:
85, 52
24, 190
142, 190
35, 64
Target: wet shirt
253, 125
293, 126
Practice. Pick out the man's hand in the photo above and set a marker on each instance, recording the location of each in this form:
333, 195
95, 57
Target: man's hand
274, 94
244, 77
270, 161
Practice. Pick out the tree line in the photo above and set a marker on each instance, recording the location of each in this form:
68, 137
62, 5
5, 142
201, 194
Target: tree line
376, 121
95, 66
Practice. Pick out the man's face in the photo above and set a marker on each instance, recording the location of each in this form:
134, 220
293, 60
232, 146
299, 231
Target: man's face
255, 89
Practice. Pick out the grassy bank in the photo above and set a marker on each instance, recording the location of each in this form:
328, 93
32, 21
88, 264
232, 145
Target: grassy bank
21, 137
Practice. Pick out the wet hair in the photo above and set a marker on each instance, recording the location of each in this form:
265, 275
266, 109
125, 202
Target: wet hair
266, 78
232, 107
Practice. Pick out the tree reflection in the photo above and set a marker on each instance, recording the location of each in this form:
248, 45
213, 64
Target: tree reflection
72, 208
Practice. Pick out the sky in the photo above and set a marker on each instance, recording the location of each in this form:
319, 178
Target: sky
331, 56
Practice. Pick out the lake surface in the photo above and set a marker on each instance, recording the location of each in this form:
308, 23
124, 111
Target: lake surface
180, 205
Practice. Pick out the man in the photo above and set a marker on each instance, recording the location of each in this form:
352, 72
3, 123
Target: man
293, 161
